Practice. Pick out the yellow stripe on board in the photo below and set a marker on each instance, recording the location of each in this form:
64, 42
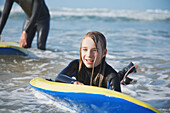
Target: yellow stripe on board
63, 87
13, 45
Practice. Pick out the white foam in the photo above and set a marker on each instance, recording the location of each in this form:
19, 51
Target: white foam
147, 15
46, 99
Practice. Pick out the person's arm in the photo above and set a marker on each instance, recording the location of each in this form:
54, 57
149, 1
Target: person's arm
5, 14
66, 74
112, 79
65, 79
35, 15
36, 10
115, 83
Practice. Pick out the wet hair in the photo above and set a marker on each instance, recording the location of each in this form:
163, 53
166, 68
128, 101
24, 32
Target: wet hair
96, 37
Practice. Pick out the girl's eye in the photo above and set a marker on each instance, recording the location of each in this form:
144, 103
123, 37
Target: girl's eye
84, 49
94, 50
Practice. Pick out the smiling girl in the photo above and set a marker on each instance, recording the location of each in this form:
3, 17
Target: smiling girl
91, 68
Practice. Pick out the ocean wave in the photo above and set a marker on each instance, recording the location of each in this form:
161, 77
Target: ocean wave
113, 15
102, 14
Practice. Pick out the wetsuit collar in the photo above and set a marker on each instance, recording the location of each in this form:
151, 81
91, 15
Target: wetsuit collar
96, 69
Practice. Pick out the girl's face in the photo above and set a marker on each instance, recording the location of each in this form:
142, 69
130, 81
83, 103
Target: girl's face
90, 54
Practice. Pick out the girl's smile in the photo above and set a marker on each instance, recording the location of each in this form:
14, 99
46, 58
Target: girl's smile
89, 61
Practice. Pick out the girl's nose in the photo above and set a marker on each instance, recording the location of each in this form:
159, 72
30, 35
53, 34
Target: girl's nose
89, 53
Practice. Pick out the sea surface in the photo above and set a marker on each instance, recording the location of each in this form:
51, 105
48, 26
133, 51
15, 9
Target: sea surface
138, 36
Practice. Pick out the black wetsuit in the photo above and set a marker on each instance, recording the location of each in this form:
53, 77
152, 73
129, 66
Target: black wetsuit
37, 19
111, 78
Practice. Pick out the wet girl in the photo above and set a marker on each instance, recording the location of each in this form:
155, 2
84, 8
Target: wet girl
91, 68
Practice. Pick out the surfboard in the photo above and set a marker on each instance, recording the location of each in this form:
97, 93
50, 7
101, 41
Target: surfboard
103, 99
12, 48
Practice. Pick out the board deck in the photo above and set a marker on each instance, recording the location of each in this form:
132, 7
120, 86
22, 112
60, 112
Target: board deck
90, 95
12, 48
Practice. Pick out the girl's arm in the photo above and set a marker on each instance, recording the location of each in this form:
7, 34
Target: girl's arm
65, 79
115, 84
66, 74
112, 79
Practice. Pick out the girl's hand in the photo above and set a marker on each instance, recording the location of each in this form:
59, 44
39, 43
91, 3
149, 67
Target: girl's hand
78, 83
23, 40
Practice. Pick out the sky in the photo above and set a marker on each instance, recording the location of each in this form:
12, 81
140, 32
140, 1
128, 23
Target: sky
111, 4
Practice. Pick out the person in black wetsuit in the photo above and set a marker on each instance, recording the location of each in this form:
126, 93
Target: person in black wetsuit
37, 20
91, 68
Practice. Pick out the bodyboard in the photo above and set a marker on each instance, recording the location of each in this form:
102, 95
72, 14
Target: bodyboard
12, 48
107, 100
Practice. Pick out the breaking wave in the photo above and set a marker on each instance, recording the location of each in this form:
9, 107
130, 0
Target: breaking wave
102, 14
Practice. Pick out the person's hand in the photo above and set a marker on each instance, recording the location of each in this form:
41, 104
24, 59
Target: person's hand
0, 37
78, 83
23, 40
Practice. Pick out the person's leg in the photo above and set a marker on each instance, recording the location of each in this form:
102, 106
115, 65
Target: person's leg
42, 34
131, 68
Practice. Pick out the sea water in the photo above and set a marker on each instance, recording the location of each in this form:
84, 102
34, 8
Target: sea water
138, 36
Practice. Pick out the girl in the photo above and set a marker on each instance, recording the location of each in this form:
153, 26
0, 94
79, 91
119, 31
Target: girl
91, 68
